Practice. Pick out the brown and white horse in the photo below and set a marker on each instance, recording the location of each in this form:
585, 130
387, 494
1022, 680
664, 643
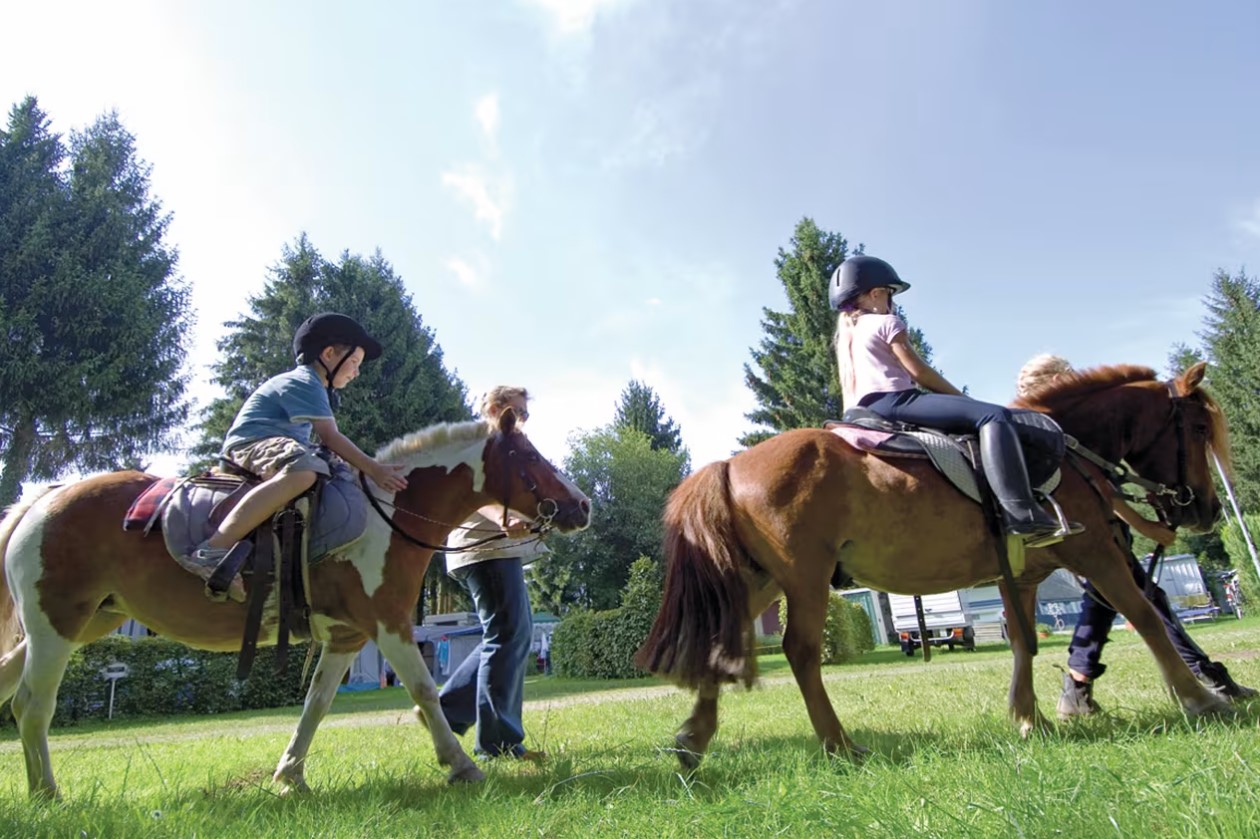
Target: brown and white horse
778, 517
74, 575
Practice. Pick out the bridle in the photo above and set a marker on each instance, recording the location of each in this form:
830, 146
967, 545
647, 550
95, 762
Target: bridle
1180, 494
547, 510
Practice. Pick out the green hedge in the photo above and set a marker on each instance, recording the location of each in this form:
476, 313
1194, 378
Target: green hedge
168, 678
846, 633
1239, 556
601, 645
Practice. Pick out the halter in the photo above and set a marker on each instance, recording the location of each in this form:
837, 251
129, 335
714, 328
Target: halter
1181, 494
547, 509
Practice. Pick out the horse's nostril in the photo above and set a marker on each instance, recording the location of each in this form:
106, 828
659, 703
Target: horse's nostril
585, 506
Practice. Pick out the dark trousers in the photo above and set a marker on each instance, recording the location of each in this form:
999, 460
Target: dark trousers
952, 414
488, 687
1094, 625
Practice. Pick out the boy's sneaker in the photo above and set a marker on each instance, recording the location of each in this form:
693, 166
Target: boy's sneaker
1216, 677
203, 560
1077, 699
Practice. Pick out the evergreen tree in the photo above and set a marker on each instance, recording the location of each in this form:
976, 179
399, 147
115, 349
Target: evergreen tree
406, 389
91, 310
799, 385
1231, 343
640, 408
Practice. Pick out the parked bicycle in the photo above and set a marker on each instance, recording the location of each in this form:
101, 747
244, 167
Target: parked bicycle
1233, 592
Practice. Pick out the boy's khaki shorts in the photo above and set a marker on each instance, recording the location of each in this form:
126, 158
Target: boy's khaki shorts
273, 456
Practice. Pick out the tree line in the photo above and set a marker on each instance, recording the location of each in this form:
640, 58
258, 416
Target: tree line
94, 315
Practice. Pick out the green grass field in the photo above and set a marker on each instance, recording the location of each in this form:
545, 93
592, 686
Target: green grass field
946, 762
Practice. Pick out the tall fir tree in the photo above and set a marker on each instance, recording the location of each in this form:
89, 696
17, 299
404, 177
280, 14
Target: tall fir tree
796, 381
406, 389
1231, 343
91, 308
640, 408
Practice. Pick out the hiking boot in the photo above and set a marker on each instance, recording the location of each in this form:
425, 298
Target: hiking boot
1077, 699
1216, 678
203, 560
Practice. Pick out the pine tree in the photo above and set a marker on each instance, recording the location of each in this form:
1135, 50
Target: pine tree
640, 408
406, 389
91, 309
1231, 343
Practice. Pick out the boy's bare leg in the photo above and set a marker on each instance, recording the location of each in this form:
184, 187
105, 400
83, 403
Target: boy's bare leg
258, 505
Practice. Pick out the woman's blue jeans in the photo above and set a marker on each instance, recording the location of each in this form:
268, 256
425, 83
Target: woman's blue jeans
487, 689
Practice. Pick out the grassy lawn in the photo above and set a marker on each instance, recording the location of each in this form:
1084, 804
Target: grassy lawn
945, 762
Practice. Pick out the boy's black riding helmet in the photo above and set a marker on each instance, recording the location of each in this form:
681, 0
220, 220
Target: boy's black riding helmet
859, 274
327, 329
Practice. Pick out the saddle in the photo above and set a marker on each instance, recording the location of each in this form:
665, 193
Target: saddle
276, 558
957, 456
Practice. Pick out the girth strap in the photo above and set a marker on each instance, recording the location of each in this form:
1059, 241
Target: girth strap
263, 562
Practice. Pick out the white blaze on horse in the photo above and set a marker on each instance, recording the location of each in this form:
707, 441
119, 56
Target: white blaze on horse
74, 575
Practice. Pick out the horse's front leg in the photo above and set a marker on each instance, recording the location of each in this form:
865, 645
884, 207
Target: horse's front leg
405, 657
802, 644
332, 667
1115, 583
1022, 701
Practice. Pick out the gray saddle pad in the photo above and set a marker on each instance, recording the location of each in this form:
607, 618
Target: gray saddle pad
338, 522
952, 454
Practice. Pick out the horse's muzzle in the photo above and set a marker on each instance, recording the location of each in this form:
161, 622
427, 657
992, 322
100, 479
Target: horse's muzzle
575, 515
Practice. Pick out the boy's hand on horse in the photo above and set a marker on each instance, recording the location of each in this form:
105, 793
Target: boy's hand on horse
388, 476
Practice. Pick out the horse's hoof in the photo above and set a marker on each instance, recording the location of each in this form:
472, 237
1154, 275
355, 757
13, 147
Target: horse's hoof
291, 785
469, 774
1217, 708
1038, 724
686, 754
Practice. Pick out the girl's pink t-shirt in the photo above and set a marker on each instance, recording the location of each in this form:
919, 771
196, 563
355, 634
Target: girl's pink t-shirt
875, 368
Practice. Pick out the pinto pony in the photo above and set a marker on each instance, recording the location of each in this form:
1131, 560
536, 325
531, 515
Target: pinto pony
74, 575
778, 518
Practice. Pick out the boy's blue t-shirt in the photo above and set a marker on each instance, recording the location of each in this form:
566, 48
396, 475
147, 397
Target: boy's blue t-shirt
284, 406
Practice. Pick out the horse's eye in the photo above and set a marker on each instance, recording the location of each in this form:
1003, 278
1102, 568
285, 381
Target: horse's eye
1201, 431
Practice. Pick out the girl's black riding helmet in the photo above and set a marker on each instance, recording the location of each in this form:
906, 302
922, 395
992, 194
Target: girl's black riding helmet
859, 274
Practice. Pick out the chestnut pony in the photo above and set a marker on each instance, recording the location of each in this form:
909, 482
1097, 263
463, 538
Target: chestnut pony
75, 576
777, 518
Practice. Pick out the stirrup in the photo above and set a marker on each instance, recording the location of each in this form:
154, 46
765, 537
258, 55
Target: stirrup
1065, 529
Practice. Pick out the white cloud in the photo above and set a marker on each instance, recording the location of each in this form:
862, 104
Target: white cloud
573, 17
1249, 222
488, 201
468, 274
487, 111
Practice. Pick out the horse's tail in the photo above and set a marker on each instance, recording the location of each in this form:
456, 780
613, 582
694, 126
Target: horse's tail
11, 631
703, 633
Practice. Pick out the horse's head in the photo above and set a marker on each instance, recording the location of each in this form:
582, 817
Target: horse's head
1166, 432
521, 479
1173, 444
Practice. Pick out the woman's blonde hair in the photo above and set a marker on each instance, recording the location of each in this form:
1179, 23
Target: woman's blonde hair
500, 397
1039, 371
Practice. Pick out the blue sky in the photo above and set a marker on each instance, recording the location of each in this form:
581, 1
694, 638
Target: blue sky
581, 192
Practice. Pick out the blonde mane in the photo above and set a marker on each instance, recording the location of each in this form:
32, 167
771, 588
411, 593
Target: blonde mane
427, 440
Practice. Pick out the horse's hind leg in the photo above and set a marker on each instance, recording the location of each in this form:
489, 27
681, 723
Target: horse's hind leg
802, 643
332, 667
693, 737
11, 671
34, 702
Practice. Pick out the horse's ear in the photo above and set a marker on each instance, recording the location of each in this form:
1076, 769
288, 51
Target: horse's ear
1192, 378
507, 421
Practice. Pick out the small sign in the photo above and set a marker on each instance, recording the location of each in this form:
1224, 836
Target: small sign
115, 671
